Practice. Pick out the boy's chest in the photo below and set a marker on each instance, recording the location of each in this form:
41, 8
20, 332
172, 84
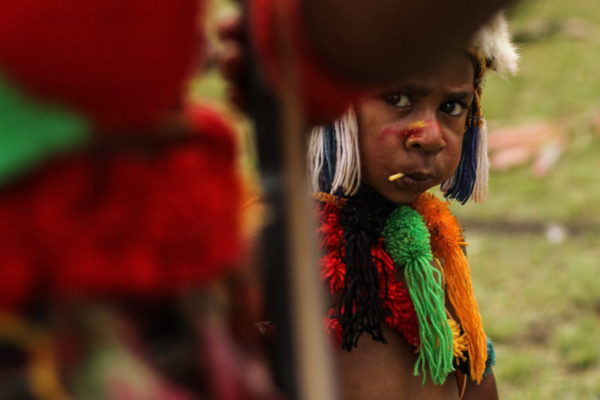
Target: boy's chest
377, 371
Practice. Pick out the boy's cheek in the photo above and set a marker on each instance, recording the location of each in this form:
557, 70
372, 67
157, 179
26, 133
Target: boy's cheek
373, 175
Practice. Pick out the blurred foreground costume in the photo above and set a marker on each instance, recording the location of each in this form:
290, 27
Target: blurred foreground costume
121, 268
279, 38
120, 239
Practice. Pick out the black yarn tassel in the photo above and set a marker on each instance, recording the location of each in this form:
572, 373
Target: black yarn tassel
361, 307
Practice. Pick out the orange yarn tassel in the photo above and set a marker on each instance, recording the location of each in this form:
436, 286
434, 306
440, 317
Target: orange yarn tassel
446, 242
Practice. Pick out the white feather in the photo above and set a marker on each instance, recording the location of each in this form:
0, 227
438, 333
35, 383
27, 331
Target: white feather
493, 41
483, 165
347, 167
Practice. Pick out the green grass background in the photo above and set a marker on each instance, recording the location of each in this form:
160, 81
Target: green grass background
540, 300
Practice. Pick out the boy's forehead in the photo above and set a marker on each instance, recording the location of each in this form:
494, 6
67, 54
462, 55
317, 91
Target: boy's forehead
457, 70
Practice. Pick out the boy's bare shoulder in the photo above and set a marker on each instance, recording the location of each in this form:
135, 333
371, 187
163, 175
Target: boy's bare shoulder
377, 371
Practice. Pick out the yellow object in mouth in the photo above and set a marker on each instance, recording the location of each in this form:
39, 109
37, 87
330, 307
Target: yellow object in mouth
394, 177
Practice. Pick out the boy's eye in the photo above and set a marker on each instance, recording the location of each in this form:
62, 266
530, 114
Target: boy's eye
397, 100
453, 108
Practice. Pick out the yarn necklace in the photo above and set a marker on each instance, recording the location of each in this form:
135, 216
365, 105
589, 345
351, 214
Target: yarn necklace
412, 239
447, 244
406, 240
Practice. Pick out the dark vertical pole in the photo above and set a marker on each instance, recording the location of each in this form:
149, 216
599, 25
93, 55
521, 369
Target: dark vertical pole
294, 299
265, 113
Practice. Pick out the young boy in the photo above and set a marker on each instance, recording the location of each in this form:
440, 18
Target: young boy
394, 256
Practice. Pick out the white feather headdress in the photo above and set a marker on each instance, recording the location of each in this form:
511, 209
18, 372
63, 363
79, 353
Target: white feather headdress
493, 42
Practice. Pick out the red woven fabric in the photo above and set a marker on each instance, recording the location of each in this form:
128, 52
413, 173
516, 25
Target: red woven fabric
400, 312
324, 94
122, 62
133, 220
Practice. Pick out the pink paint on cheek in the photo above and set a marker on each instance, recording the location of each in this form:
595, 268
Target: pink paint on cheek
391, 131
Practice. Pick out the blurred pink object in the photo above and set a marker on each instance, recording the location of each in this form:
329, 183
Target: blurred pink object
541, 143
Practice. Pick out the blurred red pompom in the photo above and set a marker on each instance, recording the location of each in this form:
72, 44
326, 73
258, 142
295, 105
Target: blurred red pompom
138, 219
121, 62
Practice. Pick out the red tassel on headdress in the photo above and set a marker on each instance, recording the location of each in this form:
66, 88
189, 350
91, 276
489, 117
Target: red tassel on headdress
324, 94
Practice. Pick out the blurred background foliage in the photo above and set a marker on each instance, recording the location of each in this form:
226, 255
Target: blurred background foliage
535, 244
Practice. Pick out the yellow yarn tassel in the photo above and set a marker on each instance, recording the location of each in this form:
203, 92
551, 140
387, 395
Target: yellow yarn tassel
460, 344
446, 242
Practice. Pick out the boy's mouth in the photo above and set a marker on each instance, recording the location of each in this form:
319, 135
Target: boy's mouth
416, 181
419, 176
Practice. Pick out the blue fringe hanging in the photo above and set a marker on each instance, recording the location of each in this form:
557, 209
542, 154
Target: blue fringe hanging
329, 159
466, 174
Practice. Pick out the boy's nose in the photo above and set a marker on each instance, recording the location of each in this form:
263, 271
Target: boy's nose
427, 137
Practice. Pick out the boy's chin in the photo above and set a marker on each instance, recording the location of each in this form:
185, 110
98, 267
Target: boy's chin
401, 197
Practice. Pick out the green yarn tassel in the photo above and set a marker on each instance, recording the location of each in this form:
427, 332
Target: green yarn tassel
407, 241
32, 131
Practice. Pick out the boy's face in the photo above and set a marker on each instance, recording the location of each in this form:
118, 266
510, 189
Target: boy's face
415, 127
